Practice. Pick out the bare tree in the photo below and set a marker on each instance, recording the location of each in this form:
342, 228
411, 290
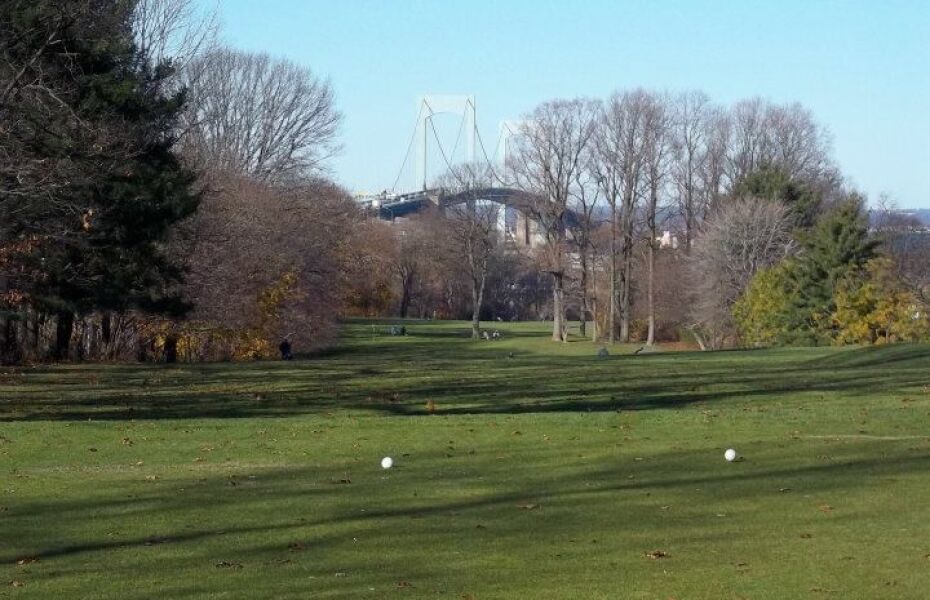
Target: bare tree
269, 119
656, 152
174, 31
548, 155
738, 240
714, 164
699, 142
618, 168
583, 223
247, 236
773, 135
907, 241
471, 222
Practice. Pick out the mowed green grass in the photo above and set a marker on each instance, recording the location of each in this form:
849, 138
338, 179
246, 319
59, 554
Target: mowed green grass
546, 474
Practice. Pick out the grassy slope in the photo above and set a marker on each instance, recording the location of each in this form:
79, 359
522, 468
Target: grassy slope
546, 475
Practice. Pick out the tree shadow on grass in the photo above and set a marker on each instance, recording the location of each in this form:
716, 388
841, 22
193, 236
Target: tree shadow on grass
276, 519
486, 381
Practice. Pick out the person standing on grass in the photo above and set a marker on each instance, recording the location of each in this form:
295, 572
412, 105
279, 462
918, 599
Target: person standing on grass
285, 348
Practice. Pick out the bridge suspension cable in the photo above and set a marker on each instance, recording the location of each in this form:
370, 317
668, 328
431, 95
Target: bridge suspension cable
409, 148
422, 120
441, 150
486, 159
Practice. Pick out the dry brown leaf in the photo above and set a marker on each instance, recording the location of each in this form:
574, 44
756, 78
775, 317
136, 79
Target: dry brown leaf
528, 506
404, 584
15, 583
226, 564
826, 508
27, 560
657, 554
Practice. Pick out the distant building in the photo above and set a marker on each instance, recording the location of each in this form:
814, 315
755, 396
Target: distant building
668, 240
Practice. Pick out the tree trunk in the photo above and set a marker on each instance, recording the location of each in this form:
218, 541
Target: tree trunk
477, 299
594, 317
10, 352
612, 293
405, 299
651, 263
625, 293
582, 323
63, 329
106, 334
38, 322
171, 349
650, 293
558, 308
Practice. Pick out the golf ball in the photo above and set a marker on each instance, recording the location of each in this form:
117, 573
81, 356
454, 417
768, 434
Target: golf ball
387, 462
730, 455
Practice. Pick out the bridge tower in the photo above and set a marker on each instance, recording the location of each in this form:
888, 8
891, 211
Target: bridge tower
428, 107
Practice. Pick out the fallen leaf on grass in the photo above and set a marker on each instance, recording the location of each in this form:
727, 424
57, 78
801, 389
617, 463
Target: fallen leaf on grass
806, 536
657, 554
404, 584
27, 560
826, 508
783, 490
126, 441
343, 481
228, 565
296, 547
529, 506
15, 583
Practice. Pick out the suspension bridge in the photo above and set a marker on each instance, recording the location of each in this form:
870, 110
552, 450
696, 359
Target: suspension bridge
407, 197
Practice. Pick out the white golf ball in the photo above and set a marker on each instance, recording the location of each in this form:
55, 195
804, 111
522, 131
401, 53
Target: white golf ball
730, 455
387, 462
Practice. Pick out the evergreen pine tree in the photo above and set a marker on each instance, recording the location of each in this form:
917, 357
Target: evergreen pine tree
838, 246
108, 128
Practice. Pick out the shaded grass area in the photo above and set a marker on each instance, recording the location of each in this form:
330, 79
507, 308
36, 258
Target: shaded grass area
545, 472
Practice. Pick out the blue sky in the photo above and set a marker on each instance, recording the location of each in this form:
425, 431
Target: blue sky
862, 67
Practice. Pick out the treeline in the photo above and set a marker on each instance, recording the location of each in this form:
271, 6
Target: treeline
668, 217
162, 197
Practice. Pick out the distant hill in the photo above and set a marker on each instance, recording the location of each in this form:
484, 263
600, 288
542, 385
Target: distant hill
923, 214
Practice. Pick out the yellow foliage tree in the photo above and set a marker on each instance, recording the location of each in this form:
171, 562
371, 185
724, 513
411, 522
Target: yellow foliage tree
257, 342
875, 308
761, 313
